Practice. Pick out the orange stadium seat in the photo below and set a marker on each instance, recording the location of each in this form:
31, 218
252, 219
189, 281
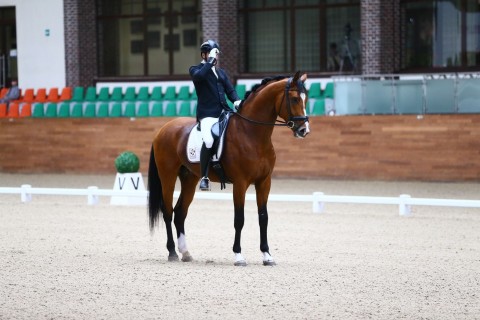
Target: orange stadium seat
3, 110
28, 95
26, 110
41, 95
66, 94
13, 110
53, 95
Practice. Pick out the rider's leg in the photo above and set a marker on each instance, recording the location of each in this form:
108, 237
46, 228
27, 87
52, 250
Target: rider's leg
206, 152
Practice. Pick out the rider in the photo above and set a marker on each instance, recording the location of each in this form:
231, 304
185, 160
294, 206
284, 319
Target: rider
211, 84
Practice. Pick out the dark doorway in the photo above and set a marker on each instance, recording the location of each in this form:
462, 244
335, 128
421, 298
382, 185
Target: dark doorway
8, 46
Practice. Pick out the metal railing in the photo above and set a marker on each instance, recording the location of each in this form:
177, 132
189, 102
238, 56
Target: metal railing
407, 94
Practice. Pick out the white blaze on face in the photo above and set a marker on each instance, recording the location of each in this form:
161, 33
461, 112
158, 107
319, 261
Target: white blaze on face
307, 124
304, 97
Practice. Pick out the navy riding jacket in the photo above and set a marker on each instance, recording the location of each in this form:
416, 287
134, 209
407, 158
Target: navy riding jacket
211, 90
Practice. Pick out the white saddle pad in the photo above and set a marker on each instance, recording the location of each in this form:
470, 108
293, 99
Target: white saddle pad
194, 146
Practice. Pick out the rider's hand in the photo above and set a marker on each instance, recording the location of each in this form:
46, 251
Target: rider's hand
213, 53
236, 104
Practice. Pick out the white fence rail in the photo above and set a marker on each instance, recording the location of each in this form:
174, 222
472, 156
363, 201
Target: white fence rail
318, 199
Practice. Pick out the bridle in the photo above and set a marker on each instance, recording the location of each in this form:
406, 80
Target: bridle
290, 123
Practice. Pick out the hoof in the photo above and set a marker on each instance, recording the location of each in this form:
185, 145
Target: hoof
268, 260
186, 257
173, 257
241, 263
240, 260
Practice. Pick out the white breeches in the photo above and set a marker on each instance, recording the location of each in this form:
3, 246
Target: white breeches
206, 126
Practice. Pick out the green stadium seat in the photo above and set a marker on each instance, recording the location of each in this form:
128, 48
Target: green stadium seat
315, 90
130, 110
157, 109
77, 110
156, 94
328, 92
64, 110
102, 110
117, 94
184, 93
78, 94
91, 94
170, 93
38, 110
90, 110
241, 90
171, 109
184, 110
142, 109
143, 94
116, 110
318, 108
130, 94
103, 94
51, 111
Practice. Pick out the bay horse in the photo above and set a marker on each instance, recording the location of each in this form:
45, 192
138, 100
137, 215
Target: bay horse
248, 158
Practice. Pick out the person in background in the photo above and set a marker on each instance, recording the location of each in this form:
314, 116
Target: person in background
333, 62
211, 84
13, 93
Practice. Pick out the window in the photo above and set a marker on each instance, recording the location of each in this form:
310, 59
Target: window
290, 35
148, 37
440, 34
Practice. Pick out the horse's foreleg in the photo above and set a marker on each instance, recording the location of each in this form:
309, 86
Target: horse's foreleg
263, 190
188, 183
238, 222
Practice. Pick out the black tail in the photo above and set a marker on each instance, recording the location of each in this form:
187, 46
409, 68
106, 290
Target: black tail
155, 197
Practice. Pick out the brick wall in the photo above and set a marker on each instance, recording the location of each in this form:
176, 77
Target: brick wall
429, 148
80, 42
219, 22
380, 28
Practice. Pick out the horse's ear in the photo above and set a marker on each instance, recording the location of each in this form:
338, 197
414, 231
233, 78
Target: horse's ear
296, 77
299, 75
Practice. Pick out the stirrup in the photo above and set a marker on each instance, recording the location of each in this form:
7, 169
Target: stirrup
205, 184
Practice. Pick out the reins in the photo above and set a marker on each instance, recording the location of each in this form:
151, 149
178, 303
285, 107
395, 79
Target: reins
290, 123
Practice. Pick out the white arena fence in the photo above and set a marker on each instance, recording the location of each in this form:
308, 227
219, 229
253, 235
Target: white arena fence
318, 199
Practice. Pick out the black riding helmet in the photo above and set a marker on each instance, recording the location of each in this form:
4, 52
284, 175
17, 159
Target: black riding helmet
208, 45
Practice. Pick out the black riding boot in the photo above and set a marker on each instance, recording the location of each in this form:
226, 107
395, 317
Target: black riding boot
205, 156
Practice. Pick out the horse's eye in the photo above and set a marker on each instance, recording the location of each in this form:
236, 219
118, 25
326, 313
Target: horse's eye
294, 100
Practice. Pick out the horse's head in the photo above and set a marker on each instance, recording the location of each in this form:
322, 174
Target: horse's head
293, 106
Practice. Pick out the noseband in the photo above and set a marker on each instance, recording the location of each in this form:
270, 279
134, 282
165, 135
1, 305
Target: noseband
290, 123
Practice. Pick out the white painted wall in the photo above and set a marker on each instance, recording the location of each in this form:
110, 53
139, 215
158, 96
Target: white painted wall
41, 58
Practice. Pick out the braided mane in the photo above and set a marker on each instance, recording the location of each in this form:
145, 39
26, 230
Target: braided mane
260, 85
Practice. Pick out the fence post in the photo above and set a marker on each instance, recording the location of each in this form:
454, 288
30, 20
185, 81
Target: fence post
317, 204
26, 196
92, 197
405, 210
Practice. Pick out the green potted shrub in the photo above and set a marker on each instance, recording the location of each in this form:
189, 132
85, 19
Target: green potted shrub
127, 162
128, 179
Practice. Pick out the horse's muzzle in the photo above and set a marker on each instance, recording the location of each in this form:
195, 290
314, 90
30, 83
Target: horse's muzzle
302, 131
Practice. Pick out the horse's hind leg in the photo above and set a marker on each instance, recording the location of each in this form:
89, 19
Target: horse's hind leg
188, 183
168, 181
